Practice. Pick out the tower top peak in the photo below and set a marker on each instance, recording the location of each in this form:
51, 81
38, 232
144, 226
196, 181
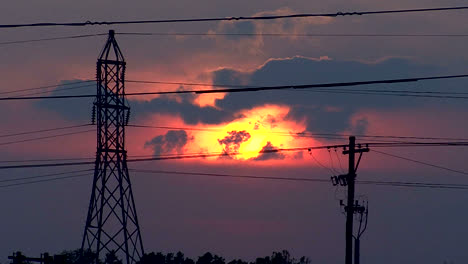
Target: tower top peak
111, 50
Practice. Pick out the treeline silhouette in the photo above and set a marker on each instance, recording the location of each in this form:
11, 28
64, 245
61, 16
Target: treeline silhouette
282, 257
87, 257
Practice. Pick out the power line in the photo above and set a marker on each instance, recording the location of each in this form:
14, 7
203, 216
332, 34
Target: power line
415, 184
421, 162
328, 85
58, 90
221, 154
44, 160
333, 91
188, 84
313, 135
44, 137
156, 158
254, 86
415, 144
230, 175
317, 180
214, 19
46, 180
284, 34
386, 92
321, 164
291, 134
45, 87
393, 91
43, 176
46, 97
152, 158
267, 88
309, 134
41, 131
225, 154
315, 35
50, 39
255, 177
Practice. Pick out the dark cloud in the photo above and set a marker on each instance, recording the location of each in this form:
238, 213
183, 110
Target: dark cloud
314, 107
172, 141
185, 108
233, 141
309, 105
77, 109
229, 76
266, 155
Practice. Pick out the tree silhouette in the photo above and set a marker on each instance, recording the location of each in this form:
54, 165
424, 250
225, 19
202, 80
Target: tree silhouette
207, 258
78, 256
153, 258
282, 257
111, 258
237, 261
86, 257
265, 260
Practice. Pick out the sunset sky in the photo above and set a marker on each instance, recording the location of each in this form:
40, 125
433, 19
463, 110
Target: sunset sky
232, 217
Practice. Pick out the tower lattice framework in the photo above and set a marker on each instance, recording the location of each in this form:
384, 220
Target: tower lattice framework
112, 222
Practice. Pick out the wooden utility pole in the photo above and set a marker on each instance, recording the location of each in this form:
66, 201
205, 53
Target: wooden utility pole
351, 181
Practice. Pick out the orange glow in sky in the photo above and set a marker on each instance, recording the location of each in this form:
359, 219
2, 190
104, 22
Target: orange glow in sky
250, 133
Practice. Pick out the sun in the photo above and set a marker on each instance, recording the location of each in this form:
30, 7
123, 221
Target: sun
264, 127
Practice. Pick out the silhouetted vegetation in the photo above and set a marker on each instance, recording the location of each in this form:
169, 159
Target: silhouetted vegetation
79, 257
282, 257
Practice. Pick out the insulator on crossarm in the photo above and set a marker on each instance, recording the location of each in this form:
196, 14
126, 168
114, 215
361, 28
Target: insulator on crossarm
93, 115
128, 117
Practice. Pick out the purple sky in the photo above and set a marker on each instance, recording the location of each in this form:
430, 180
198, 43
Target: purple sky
232, 217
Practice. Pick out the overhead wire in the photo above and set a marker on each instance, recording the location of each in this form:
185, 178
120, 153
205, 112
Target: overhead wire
455, 186
301, 134
58, 90
334, 91
45, 137
318, 180
216, 34
319, 85
254, 86
414, 144
385, 92
270, 88
332, 172
420, 162
312, 135
396, 91
46, 86
221, 154
42, 176
50, 39
293, 179
45, 180
44, 160
332, 163
339, 161
381, 183
41, 130
233, 18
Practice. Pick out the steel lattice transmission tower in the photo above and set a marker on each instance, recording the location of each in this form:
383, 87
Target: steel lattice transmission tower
112, 223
